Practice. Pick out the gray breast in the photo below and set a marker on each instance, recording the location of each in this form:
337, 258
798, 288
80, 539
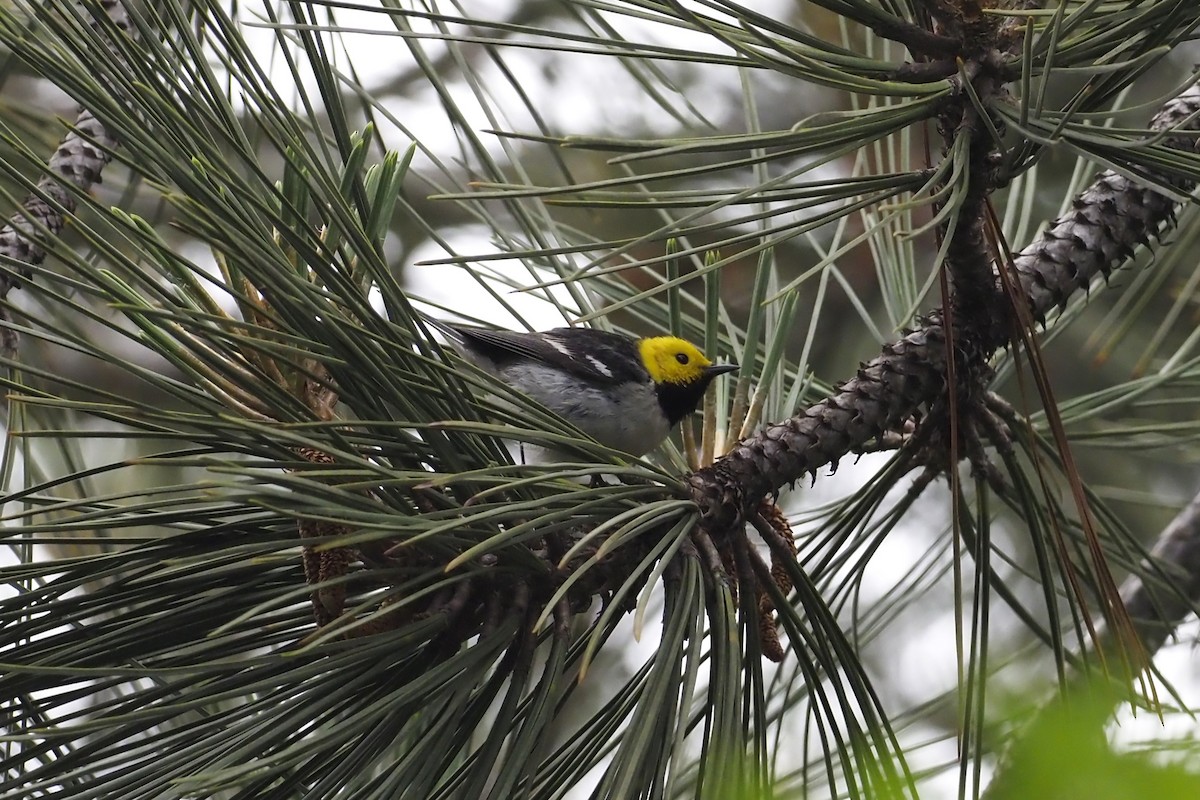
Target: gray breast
625, 417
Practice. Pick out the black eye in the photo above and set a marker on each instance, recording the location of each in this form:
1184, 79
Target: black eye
681, 358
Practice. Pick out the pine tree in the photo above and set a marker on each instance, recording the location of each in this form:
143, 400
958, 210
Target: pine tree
268, 537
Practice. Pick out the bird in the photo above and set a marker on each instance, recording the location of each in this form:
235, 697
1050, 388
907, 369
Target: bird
627, 393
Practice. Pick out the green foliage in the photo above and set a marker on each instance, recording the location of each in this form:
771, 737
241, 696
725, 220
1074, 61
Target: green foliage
1065, 755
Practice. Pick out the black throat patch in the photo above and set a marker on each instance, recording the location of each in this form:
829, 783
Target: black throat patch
677, 400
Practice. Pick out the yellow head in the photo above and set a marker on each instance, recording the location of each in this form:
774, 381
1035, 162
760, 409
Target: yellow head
680, 372
670, 359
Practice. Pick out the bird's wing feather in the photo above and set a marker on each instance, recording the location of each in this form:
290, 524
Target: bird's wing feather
553, 348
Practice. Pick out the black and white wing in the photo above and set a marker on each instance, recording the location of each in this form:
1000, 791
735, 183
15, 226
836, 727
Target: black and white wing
596, 356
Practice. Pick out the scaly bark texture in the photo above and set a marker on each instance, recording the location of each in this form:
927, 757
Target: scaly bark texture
1107, 223
75, 166
78, 161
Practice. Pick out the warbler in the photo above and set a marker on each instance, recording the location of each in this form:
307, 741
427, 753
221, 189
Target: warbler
625, 393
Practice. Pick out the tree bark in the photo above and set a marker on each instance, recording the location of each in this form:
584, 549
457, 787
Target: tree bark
1108, 222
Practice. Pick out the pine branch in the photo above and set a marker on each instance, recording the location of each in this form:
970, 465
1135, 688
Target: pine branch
75, 166
1158, 604
1108, 222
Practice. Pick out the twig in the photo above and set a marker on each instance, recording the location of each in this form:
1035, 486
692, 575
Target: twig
77, 162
